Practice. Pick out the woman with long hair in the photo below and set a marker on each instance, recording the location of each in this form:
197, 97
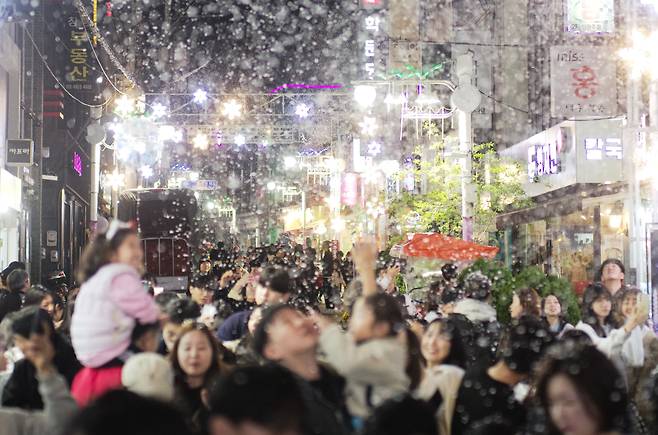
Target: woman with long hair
196, 360
581, 391
553, 315
525, 302
445, 360
599, 323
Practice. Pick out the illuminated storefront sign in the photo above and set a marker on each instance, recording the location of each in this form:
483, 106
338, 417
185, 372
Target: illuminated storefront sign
590, 16
603, 148
371, 26
543, 159
77, 164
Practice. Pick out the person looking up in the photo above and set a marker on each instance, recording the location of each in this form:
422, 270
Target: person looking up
373, 355
552, 313
612, 273
525, 302
287, 337
274, 287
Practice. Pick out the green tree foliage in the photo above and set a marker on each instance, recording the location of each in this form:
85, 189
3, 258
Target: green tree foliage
505, 283
497, 182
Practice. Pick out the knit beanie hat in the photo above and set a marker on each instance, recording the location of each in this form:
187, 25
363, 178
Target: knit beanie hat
150, 375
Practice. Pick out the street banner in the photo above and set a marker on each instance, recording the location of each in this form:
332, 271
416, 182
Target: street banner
583, 82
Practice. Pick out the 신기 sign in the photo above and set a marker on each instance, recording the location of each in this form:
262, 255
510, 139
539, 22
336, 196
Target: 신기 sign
583, 83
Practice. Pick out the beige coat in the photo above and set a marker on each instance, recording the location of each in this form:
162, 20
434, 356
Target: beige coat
375, 370
445, 379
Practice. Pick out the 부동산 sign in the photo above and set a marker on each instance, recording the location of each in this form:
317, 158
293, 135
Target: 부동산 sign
583, 82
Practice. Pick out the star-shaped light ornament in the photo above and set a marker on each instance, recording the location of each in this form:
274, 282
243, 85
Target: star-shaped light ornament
374, 148
302, 110
368, 126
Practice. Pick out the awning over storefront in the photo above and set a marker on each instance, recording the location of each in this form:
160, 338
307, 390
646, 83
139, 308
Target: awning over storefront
557, 203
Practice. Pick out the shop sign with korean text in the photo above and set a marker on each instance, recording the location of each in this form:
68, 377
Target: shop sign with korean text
20, 152
583, 82
589, 16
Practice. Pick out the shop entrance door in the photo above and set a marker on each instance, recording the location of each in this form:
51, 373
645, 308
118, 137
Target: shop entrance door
74, 234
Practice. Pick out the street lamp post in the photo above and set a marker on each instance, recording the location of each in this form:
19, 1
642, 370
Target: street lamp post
466, 98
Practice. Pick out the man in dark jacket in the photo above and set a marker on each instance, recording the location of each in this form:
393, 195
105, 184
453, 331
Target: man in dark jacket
22, 388
486, 394
476, 321
287, 337
18, 282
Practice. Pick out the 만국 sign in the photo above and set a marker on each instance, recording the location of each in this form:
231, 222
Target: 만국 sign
583, 82
20, 152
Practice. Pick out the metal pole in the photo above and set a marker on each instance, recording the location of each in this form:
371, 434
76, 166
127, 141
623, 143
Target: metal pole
468, 191
303, 214
466, 98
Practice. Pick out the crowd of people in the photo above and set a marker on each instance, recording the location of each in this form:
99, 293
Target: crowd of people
284, 340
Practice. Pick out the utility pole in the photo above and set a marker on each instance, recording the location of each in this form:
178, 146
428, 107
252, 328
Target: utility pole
95, 137
466, 98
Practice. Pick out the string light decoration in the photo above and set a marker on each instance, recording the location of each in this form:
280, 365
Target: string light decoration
232, 109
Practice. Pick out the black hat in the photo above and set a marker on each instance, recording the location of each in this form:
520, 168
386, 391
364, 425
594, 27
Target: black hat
14, 265
477, 286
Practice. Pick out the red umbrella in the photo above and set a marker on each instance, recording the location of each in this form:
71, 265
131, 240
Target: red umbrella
434, 245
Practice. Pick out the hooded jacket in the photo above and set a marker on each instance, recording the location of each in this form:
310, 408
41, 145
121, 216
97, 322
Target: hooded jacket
107, 309
374, 370
479, 330
59, 407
